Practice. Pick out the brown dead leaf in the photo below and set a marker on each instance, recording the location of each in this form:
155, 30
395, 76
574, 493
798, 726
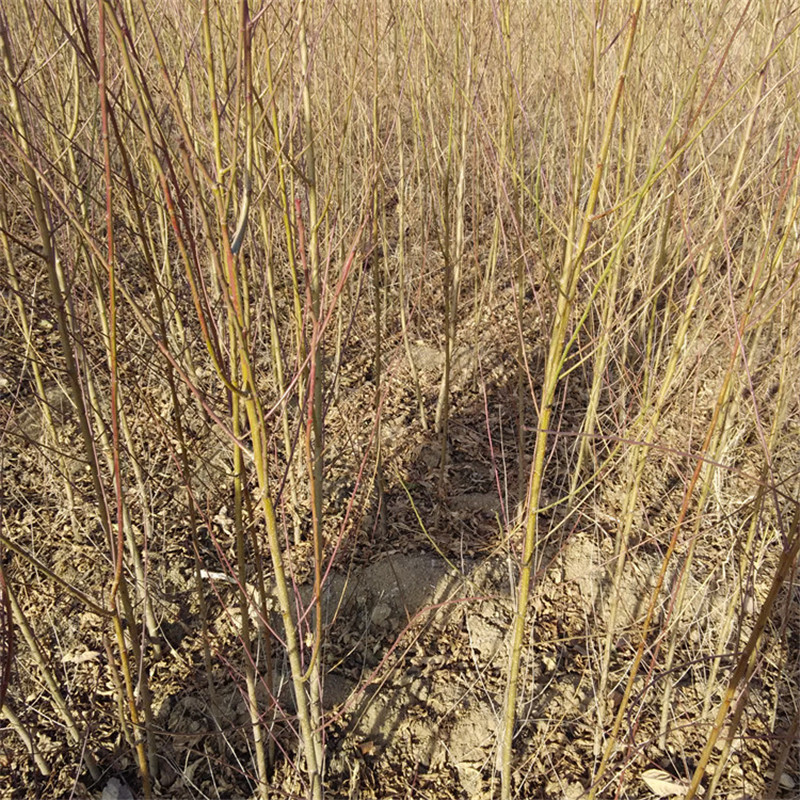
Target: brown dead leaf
662, 784
366, 748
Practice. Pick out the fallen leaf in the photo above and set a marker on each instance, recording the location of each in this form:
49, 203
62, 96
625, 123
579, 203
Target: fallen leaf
82, 658
367, 748
662, 784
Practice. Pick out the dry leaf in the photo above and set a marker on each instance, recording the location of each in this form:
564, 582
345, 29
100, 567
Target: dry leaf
662, 784
82, 658
366, 748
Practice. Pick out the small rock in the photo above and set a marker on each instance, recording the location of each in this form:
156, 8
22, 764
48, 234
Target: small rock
380, 613
786, 781
116, 789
